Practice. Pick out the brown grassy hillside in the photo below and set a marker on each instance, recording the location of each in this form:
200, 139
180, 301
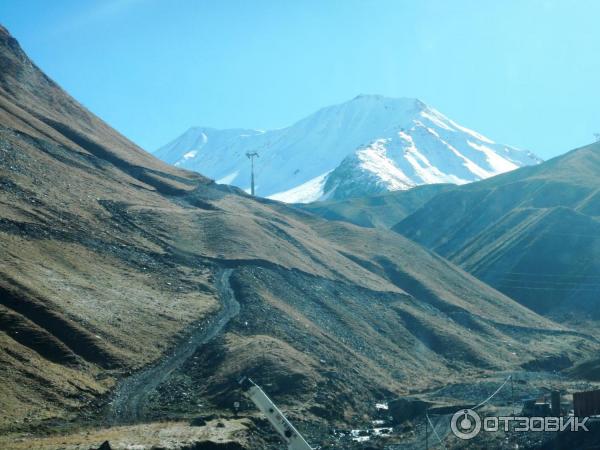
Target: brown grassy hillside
534, 234
110, 261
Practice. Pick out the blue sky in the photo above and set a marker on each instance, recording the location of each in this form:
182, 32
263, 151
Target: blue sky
523, 72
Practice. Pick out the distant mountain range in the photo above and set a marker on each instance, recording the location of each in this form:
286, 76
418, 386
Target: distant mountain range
368, 145
112, 260
533, 234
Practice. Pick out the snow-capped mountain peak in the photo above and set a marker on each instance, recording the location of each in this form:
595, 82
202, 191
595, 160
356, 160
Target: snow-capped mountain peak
366, 145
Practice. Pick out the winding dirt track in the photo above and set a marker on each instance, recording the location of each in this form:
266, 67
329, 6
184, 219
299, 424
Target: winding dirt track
132, 393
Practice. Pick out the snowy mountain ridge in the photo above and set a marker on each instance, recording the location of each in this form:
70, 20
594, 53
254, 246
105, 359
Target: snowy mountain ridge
367, 145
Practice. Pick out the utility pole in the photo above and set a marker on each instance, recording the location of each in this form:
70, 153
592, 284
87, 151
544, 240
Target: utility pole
426, 432
251, 156
512, 395
512, 400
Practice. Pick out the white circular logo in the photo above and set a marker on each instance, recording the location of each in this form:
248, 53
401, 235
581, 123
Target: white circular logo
465, 424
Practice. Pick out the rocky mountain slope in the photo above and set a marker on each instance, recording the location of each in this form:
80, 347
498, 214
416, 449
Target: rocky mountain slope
371, 144
534, 234
378, 210
112, 262
531, 234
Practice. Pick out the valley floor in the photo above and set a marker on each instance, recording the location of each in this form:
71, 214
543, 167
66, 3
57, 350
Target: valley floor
223, 430
228, 434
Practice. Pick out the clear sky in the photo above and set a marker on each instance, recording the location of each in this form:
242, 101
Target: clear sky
523, 72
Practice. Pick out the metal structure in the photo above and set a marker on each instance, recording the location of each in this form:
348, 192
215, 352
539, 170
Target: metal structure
586, 403
251, 156
278, 421
555, 403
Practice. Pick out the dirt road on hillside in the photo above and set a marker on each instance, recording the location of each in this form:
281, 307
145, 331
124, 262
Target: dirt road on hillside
132, 393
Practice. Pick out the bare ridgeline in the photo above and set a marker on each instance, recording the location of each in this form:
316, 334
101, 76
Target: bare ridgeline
134, 296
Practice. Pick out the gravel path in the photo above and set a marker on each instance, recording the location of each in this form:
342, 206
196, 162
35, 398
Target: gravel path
132, 393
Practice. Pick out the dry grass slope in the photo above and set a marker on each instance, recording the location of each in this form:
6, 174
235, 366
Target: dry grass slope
534, 234
108, 257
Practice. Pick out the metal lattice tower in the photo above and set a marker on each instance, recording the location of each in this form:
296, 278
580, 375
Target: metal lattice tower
251, 156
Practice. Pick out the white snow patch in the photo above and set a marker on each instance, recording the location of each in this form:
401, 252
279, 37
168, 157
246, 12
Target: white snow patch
475, 134
374, 159
432, 131
307, 192
407, 137
426, 171
228, 179
365, 435
254, 133
190, 155
497, 162
436, 119
470, 165
187, 156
